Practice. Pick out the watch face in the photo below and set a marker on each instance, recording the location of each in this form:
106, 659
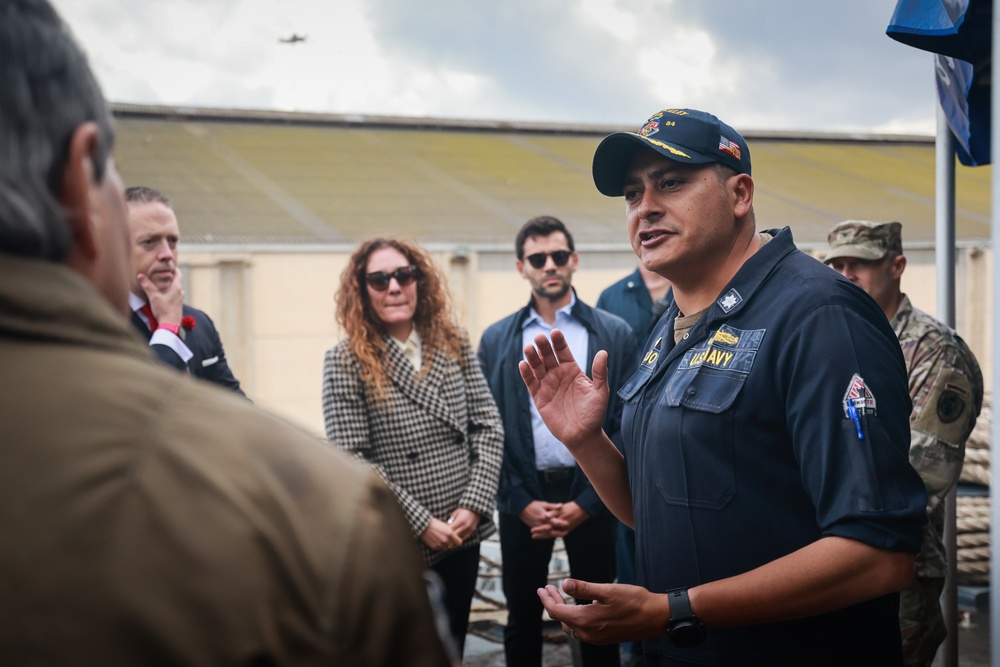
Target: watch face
687, 633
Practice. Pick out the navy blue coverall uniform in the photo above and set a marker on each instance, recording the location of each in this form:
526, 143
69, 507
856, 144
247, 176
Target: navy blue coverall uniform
630, 300
782, 417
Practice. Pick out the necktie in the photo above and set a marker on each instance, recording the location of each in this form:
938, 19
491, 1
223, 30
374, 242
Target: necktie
148, 312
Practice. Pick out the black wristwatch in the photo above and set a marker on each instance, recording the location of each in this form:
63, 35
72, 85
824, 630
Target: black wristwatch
685, 629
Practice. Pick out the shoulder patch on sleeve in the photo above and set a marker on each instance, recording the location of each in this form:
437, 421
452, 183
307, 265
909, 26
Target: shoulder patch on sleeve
860, 396
950, 406
945, 411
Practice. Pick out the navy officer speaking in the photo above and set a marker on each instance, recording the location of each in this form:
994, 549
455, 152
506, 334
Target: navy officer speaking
766, 430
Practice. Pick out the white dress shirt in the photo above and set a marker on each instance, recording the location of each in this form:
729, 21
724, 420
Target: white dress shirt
160, 336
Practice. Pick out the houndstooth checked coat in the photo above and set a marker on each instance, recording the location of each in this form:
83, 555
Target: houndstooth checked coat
437, 440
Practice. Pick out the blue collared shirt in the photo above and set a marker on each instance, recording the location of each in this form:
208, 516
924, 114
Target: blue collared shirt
549, 452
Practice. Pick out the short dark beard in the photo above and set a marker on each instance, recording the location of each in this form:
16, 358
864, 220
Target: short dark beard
555, 297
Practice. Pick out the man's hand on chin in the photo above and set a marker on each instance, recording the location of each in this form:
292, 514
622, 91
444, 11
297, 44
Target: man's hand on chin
167, 303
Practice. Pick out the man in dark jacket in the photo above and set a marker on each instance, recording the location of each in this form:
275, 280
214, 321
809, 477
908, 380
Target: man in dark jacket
180, 336
543, 493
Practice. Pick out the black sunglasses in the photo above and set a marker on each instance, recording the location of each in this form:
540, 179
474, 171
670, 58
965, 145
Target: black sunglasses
379, 280
560, 257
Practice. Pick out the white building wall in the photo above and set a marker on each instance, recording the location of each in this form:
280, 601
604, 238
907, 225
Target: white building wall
276, 314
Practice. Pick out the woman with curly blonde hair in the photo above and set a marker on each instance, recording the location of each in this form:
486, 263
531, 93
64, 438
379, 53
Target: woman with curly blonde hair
404, 392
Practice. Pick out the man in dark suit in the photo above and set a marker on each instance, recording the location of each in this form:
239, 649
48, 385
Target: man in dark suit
543, 493
179, 335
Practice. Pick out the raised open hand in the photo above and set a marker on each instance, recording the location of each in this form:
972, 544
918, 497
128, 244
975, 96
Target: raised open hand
571, 404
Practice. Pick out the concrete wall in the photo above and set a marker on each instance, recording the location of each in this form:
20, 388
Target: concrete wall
275, 310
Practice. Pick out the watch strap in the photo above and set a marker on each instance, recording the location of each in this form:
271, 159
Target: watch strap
685, 629
680, 605
175, 329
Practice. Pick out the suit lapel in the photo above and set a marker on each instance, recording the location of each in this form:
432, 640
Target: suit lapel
513, 375
141, 326
427, 392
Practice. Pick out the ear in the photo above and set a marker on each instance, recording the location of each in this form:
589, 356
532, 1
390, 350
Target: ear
742, 195
520, 267
898, 266
75, 189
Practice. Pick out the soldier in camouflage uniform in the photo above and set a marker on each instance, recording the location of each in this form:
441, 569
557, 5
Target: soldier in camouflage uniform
946, 387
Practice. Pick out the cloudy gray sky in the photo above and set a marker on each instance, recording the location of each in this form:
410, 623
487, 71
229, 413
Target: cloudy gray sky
759, 64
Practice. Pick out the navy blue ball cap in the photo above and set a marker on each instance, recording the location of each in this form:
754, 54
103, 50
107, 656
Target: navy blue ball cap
687, 136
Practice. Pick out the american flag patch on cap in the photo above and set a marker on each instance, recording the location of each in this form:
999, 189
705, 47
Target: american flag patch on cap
729, 147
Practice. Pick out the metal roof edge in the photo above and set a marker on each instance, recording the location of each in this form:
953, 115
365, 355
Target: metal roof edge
187, 113
460, 248
457, 247
216, 114
908, 246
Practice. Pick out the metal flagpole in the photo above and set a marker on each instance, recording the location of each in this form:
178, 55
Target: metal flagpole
945, 262
995, 353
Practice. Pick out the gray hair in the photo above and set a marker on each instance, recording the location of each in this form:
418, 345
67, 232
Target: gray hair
48, 91
142, 194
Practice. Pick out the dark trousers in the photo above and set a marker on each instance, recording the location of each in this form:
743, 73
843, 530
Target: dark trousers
591, 552
458, 572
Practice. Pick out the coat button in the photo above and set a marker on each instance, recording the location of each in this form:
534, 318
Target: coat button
692, 391
459, 439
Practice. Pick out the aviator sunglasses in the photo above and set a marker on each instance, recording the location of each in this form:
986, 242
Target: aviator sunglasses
560, 257
379, 280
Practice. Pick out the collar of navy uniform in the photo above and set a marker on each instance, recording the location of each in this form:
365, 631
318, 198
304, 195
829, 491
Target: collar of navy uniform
533, 315
754, 271
634, 281
739, 290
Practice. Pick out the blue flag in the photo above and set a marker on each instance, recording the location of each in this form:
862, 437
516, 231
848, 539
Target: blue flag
960, 32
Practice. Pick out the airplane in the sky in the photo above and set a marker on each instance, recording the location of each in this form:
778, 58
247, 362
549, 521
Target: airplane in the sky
294, 38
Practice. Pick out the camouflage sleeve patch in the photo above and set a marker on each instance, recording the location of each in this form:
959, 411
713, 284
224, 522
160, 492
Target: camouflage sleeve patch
946, 411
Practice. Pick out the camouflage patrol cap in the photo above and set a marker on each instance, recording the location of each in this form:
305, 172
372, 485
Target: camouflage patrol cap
861, 239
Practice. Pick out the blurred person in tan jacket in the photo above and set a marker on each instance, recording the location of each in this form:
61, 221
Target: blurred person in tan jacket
147, 519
